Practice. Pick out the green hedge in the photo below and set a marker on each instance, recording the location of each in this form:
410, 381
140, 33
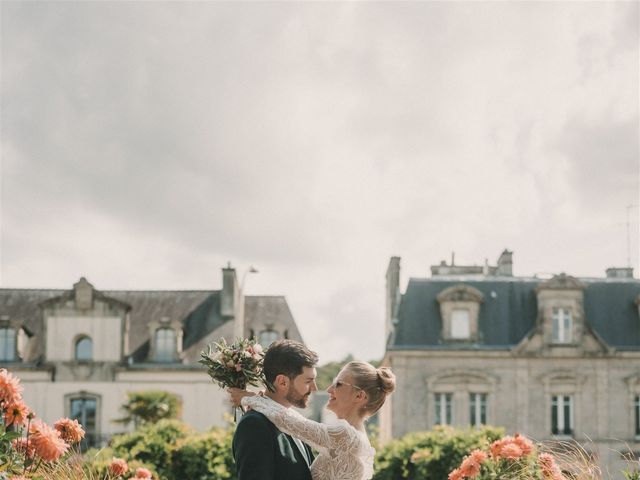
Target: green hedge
176, 452
205, 456
153, 444
430, 455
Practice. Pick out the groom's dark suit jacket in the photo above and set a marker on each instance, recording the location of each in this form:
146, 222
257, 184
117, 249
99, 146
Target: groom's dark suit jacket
262, 452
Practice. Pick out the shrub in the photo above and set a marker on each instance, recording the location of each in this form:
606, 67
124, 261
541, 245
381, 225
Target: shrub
152, 444
430, 455
149, 406
205, 456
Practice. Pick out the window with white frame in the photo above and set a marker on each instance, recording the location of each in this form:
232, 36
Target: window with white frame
444, 409
84, 349
165, 347
7, 344
478, 409
85, 410
562, 325
460, 325
562, 415
637, 412
267, 337
22, 341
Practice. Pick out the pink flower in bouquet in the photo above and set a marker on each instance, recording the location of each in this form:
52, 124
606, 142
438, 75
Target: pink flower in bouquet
46, 441
23, 446
10, 388
16, 413
118, 466
70, 430
143, 473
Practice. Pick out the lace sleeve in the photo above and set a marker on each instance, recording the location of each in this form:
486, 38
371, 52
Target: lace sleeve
318, 435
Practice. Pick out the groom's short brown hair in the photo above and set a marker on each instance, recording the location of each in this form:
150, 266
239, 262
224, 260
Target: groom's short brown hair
287, 357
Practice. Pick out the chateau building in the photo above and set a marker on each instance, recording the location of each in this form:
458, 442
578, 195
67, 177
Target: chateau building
551, 358
79, 351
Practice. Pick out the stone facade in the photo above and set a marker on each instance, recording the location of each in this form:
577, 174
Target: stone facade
79, 351
551, 359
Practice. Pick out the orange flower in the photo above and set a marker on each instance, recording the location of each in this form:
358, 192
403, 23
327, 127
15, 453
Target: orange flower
496, 447
70, 430
550, 470
23, 447
143, 473
10, 388
455, 475
118, 467
524, 443
46, 441
478, 455
470, 467
16, 413
511, 451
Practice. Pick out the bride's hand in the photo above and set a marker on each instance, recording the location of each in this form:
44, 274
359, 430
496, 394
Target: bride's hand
236, 394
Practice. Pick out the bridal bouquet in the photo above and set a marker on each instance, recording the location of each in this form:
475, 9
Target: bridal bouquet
236, 365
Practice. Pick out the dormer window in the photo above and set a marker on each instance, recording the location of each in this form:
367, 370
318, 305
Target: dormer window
165, 345
460, 326
7, 344
84, 349
459, 310
562, 325
267, 337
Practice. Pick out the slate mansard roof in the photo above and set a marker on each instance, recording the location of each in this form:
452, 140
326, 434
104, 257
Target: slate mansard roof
509, 312
197, 310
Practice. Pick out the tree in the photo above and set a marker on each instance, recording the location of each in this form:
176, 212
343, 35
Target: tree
149, 406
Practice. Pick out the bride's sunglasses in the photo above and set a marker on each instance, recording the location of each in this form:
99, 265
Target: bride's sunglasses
338, 383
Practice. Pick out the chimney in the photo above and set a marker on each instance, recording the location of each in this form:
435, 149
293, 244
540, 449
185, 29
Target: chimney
393, 294
83, 294
620, 272
230, 292
505, 264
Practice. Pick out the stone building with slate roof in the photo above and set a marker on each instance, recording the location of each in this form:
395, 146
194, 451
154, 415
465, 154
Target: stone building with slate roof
552, 358
79, 351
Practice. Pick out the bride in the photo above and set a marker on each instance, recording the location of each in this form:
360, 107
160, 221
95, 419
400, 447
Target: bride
345, 453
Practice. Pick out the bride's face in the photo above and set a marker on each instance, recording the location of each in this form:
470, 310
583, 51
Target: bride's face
344, 395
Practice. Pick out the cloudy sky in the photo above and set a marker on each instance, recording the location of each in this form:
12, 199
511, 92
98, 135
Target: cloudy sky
145, 144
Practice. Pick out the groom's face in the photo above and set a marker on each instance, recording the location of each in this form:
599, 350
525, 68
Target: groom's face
301, 387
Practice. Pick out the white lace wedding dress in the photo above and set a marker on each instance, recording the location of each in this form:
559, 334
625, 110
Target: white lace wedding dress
344, 452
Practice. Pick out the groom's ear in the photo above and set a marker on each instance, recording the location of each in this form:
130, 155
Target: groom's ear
282, 381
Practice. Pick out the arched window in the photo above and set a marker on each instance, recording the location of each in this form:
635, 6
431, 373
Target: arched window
267, 337
165, 345
84, 349
7, 344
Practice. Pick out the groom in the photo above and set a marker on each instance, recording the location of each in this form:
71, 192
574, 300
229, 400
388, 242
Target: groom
260, 450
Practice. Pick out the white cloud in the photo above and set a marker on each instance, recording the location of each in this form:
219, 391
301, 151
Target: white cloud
145, 144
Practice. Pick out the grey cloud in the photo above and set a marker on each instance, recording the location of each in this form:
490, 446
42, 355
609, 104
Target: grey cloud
604, 161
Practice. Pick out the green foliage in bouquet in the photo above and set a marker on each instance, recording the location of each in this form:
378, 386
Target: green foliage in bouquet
236, 365
149, 406
430, 455
205, 456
